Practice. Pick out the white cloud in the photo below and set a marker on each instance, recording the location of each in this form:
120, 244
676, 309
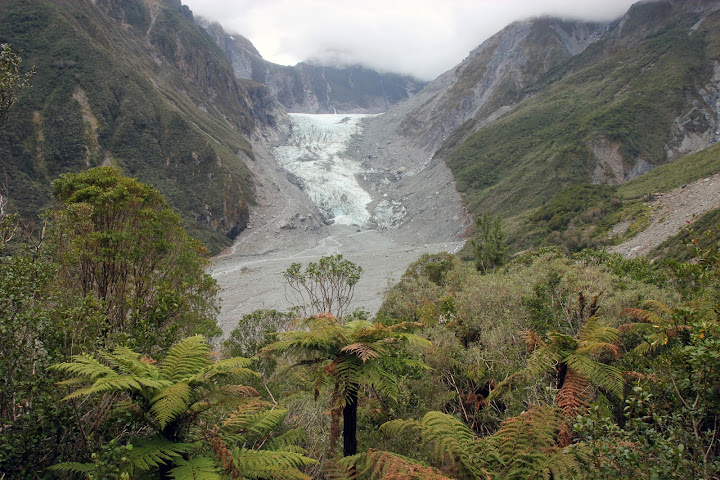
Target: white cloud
419, 37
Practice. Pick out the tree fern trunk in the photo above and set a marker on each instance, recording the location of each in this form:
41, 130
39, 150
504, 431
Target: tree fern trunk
350, 422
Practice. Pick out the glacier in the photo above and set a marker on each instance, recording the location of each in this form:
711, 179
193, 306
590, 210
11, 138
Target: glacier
314, 153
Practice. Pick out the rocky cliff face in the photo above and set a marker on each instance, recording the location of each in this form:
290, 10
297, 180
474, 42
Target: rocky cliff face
490, 81
309, 88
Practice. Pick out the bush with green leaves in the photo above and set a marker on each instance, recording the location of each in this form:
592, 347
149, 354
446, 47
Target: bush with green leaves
325, 286
117, 239
11, 80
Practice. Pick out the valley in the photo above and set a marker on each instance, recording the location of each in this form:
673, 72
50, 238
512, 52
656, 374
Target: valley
333, 184
532, 302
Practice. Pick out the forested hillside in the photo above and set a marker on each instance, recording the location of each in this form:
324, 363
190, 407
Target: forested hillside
135, 85
621, 100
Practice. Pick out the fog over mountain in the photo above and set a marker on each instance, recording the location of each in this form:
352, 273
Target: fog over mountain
422, 38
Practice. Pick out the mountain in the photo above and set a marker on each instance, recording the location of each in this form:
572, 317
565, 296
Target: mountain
493, 76
553, 114
138, 85
310, 88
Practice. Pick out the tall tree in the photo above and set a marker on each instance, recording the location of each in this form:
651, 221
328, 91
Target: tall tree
325, 286
117, 239
489, 243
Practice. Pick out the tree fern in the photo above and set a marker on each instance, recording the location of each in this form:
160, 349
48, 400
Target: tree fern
524, 447
185, 359
177, 398
82, 469
261, 464
170, 402
524, 441
348, 357
450, 440
657, 322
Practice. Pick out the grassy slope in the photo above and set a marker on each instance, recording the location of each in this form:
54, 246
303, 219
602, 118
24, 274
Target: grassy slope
141, 110
672, 175
627, 91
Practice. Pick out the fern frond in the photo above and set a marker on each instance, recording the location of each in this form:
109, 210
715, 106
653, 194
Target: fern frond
346, 367
381, 465
522, 440
269, 464
592, 348
77, 468
262, 423
362, 351
605, 376
635, 327
332, 470
575, 394
238, 368
290, 439
170, 402
544, 359
644, 316
532, 340
657, 306
85, 366
198, 468
226, 395
114, 383
452, 439
401, 428
553, 464
129, 362
185, 359
573, 399
595, 331
253, 418
153, 452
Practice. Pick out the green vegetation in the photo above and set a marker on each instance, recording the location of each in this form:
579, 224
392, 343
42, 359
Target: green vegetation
201, 422
103, 95
11, 80
117, 240
489, 246
544, 366
350, 357
625, 92
673, 175
326, 286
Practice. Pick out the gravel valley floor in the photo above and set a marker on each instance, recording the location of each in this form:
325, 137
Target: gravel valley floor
286, 227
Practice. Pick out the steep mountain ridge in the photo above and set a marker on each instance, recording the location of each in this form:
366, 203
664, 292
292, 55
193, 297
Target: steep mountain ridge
138, 85
638, 97
548, 104
491, 79
312, 88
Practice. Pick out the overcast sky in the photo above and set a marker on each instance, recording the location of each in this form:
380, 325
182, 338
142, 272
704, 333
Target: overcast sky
423, 38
